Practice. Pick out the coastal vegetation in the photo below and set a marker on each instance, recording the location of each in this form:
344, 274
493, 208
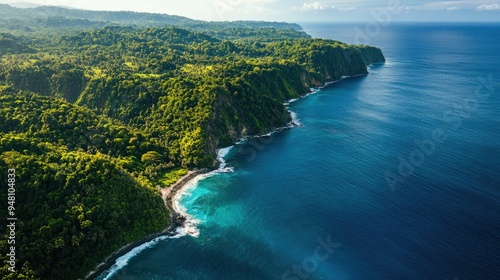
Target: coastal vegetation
97, 109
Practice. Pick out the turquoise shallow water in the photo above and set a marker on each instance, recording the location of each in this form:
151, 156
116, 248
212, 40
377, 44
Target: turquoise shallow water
391, 176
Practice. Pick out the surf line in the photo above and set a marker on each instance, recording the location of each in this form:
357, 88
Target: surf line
182, 223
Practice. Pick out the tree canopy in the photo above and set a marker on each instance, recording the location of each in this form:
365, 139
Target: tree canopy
98, 108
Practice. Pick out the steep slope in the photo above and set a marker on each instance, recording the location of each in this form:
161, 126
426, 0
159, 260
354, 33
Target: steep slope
73, 207
190, 91
29, 19
93, 120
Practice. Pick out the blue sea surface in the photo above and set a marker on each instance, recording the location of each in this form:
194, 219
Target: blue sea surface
394, 175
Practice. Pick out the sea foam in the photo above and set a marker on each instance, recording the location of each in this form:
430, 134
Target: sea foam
190, 224
124, 260
295, 118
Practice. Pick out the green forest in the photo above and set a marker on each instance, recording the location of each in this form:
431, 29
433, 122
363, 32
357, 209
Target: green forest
97, 109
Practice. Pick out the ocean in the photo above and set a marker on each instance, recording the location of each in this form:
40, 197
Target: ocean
393, 175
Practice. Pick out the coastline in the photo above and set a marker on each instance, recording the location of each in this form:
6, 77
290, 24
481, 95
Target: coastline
176, 221
168, 194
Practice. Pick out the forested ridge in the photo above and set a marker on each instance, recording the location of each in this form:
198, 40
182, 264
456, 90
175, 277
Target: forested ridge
94, 118
46, 17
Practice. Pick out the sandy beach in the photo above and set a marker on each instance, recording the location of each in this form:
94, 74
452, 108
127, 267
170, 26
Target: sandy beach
176, 220
168, 194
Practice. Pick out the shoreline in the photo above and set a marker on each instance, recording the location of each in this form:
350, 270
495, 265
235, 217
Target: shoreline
176, 221
168, 193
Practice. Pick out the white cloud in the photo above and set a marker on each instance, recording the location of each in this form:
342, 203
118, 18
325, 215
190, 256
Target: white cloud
488, 7
239, 9
316, 6
322, 7
228, 5
445, 5
458, 5
346, 8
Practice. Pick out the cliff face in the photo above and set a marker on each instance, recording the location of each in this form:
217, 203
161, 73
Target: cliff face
371, 55
255, 106
93, 120
190, 92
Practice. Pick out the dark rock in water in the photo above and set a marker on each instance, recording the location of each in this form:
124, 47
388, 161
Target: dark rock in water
180, 219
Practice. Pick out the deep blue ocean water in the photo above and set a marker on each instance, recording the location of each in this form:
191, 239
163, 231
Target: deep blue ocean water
394, 175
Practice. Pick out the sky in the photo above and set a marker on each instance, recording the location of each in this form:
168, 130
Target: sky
299, 10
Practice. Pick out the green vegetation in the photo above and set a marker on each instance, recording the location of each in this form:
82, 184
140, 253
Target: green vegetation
49, 17
75, 204
95, 112
172, 176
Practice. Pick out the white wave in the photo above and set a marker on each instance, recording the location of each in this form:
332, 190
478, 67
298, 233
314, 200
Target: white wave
122, 261
313, 91
190, 225
290, 101
242, 141
221, 153
295, 118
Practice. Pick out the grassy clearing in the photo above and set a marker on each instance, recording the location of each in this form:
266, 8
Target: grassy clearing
172, 176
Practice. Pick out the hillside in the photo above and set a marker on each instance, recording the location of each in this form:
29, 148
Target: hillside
42, 17
94, 118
